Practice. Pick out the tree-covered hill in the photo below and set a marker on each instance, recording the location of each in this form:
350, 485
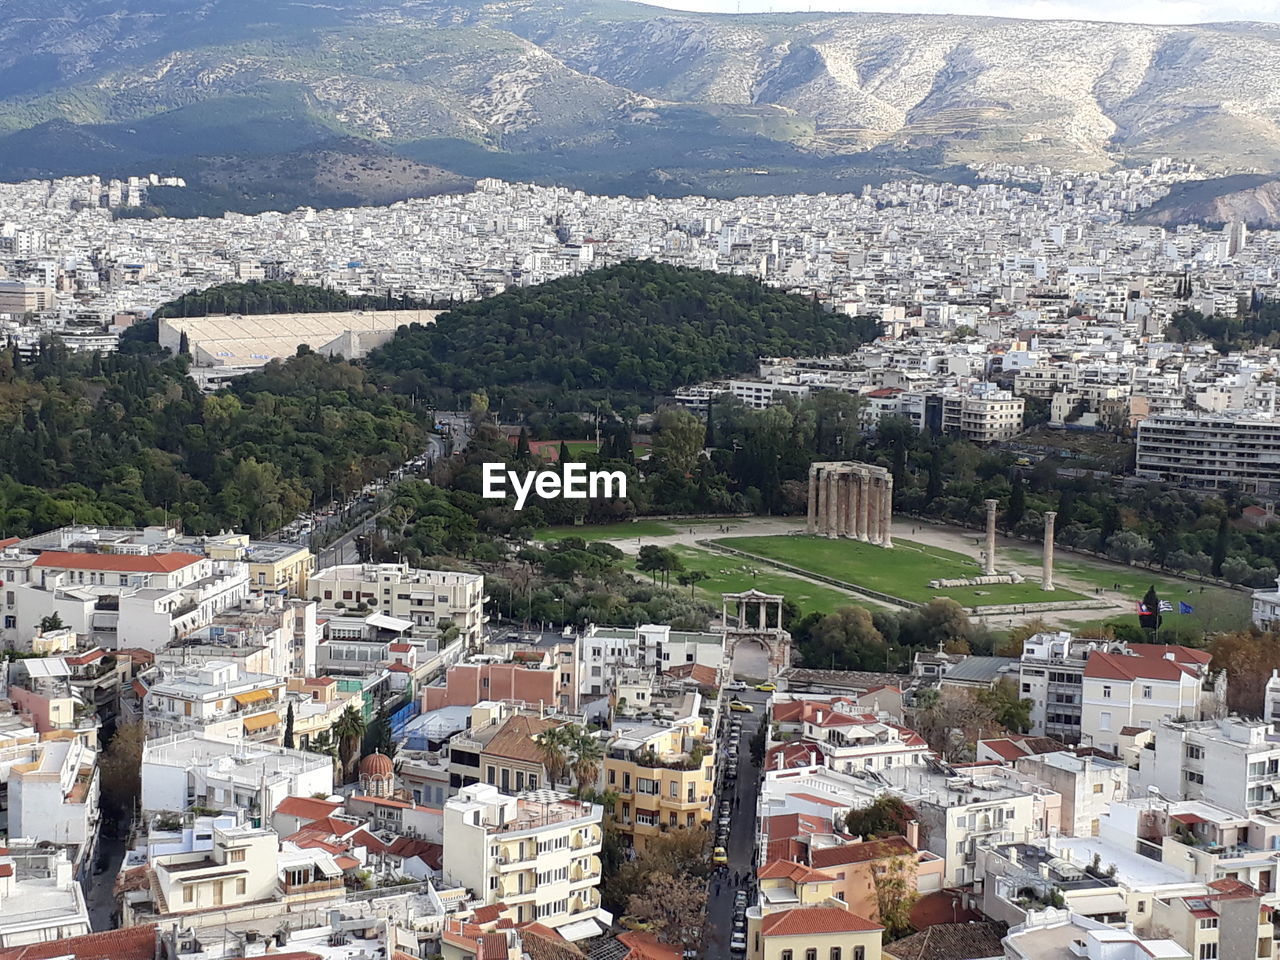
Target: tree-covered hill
128, 439
640, 328
275, 296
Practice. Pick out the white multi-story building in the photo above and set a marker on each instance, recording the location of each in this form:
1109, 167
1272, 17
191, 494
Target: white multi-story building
149, 599
1266, 608
215, 699
40, 900
1140, 688
1230, 762
53, 794
1214, 451
537, 853
425, 598
188, 770
1051, 676
846, 737
604, 652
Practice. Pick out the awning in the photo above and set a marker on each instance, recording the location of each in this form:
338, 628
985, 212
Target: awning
261, 721
579, 930
253, 696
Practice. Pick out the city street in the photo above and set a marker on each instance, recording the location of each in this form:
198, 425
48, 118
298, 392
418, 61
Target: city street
742, 828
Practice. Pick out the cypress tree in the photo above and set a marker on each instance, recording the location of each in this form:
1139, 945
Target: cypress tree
288, 727
522, 445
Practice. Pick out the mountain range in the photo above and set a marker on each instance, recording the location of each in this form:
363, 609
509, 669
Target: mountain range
613, 95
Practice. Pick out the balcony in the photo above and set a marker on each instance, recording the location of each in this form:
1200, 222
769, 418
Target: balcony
334, 885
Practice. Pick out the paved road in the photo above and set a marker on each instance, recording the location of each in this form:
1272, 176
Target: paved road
99, 893
742, 829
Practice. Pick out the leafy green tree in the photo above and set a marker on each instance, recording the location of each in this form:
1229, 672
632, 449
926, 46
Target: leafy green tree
678, 441
886, 816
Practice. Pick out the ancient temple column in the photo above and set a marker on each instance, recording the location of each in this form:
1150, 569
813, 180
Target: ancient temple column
811, 524
762, 614
991, 537
864, 501
1046, 577
828, 503
842, 503
886, 513
850, 503
873, 512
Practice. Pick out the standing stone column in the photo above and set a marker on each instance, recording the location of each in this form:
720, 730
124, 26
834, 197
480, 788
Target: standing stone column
886, 514
830, 503
842, 504
864, 498
1046, 577
873, 510
850, 504
811, 524
762, 614
991, 537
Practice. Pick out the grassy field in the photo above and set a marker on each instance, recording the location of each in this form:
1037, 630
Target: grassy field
726, 574
904, 571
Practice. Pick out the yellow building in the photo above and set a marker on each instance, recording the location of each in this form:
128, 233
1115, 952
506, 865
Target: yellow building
664, 777
1229, 921
273, 567
799, 918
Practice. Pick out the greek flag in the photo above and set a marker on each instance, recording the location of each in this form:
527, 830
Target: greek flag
1166, 606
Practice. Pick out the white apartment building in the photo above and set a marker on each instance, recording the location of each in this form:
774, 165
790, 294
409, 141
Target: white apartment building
216, 699
1266, 608
239, 868
604, 652
538, 853
425, 598
53, 794
266, 633
1051, 676
40, 900
845, 736
1088, 786
1214, 451
986, 418
1230, 762
148, 599
182, 771
1044, 381
1140, 688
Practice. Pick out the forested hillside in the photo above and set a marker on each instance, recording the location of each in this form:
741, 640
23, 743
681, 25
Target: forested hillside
276, 296
640, 328
129, 439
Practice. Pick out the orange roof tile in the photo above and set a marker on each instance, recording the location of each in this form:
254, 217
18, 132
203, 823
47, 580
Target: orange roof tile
121, 562
128, 943
811, 921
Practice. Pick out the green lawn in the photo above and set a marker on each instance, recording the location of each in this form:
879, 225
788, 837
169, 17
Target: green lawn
1216, 608
904, 571
609, 531
727, 574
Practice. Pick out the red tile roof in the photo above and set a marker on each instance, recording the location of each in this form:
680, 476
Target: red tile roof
1180, 653
129, 943
488, 913
1004, 748
795, 753
811, 798
1117, 666
121, 562
8, 542
862, 852
645, 946
812, 921
795, 872
307, 808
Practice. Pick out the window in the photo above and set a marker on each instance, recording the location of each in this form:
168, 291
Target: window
240, 886
811, 954
1097, 788
1193, 777
1104, 720
1194, 752
785, 955
1106, 693
235, 856
1146, 692
835, 953
1209, 951
188, 893
859, 953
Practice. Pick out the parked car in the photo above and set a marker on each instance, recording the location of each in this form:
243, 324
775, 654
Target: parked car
718, 855
738, 943
767, 687
736, 685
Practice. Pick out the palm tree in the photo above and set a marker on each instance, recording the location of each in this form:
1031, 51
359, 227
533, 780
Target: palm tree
349, 729
553, 747
586, 755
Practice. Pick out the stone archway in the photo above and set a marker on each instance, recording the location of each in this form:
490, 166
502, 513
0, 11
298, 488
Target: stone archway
757, 619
